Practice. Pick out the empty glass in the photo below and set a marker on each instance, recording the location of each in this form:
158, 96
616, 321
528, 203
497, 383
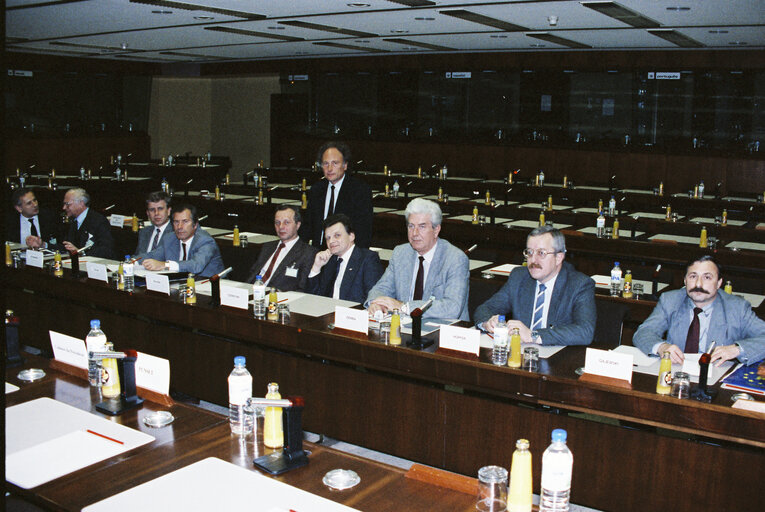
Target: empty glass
492, 489
530, 359
681, 385
637, 290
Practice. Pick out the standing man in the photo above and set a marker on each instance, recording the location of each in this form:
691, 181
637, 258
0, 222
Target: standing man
694, 317
158, 211
32, 226
549, 302
343, 271
87, 228
190, 250
285, 263
426, 266
338, 193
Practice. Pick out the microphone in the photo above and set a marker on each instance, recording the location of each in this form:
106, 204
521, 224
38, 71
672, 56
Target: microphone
418, 312
471, 249
109, 207
203, 218
87, 246
655, 281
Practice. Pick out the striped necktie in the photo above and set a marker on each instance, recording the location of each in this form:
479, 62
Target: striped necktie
539, 308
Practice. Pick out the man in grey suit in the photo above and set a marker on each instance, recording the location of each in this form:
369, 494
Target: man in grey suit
548, 301
426, 266
191, 250
284, 264
158, 212
700, 314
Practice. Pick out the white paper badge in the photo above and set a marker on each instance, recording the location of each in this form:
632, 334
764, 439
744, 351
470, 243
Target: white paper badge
153, 373
117, 221
352, 319
460, 338
69, 350
158, 283
35, 259
607, 363
234, 297
97, 271
291, 271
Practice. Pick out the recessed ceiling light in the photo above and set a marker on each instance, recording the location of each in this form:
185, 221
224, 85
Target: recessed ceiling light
738, 43
537, 45
358, 4
678, 8
276, 27
203, 18
362, 40
301, 53
162, 12
495, 36
718, 31
124, 46
424, 18
399, 31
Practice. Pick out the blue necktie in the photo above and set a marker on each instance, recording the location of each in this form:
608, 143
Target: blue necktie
539, 309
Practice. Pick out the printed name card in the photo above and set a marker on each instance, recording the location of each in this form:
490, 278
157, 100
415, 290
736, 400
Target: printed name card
158, 283
97, 271
117, 221
352, 319
35, 259
152, 373
234, 297
461, 339
69, 350
607, 363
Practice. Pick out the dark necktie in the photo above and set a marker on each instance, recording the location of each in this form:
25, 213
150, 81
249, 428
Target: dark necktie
183, 244
155, 240
33, 228
270, 268
337, 273
331, 208
419, 281
692, 341
539, 308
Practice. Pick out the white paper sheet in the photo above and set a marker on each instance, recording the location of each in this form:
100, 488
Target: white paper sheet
751, 246
311, 305
533, 224
709, 220
604, 283
715, 372
545, 351
501, 270
691, 240
623, 233
556, 207
469, 218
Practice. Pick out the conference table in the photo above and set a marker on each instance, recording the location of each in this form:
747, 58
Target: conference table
633, 449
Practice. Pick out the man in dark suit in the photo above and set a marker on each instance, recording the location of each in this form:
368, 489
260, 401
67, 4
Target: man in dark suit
343, 271
285, 263
338, 193
190, 250
35, 227
158, 212
548, 301
87, 228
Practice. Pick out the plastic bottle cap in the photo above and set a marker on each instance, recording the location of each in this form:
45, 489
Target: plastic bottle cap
616, 263
239, 361
501, 318
258, 277
559, 435
95, 324
127, 256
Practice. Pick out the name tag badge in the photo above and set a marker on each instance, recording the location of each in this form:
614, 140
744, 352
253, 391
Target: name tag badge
460, 338
234, 297
35, 259
158, 283
607, 363
291, 271
97, 271
352, 319
68, 349
117, 221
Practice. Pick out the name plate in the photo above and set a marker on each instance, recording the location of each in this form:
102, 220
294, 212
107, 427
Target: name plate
234, 297
607, 363
158, 283
117, 221
35, 259
461, 339
352, 319
153, 373
69, 350
97, 271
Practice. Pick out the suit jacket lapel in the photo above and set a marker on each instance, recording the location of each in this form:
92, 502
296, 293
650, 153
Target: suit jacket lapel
717, 324
557, 293
289, 258
351, 269
435, 266
526, 306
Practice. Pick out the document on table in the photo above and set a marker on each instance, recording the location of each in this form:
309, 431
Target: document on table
545, 351
216, 231
692, 240
604, 283
213, 484
533, 224
253, 238
428, 325
623, 233
649, 365
311, 305
46, 439
469, 218
556, 207
750, 246
501, 270
204, 287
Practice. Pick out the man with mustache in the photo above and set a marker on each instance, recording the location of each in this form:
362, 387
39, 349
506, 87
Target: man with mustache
700, 314
548, 301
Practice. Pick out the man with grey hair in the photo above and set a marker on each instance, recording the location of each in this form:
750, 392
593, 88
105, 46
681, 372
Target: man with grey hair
548, 301
87, 228
427, 266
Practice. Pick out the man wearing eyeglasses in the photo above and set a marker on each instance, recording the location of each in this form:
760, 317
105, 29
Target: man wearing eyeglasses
338, 193
549, 302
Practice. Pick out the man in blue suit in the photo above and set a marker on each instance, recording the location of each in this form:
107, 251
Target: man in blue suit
158, 212
343, 271
701, 313
548, 301
191, 250
427, 266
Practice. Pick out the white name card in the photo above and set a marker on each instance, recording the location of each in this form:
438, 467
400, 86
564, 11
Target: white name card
117, 221
153, 373
607, 363
461, 339
97, 271
352, 319
35, 259
234, 297
158, 283
69, 350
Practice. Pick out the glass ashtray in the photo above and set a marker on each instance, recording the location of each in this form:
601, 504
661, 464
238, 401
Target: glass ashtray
341, 479
741, 396
30, 375
158, 419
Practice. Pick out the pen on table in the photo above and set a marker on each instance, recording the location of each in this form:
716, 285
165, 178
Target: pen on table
105, 437
283, 300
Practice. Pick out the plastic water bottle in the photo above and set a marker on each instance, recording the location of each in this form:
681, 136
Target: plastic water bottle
499, 351
616, 280
396, 188
239, 390
600, 225
701, 189
611, 206
259, 297
95, 341
165, 186
541, 177
129, 272
557, 463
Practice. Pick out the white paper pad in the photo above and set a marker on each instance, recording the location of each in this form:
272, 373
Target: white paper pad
604, 282
46, 439
212, 484
501, 270
474, 264
206, 288
715, 372
754, 300
217, 231
590, 187
692, 240
556, 207
469, 218
534, 223
638, 191
742, 199
751, 246
623, 233
311, 305
253, 238
380, 209
647, 215
85, 259
545, 351
384, 254
434, 197
428, 325
10, 388
585, 210
709, 220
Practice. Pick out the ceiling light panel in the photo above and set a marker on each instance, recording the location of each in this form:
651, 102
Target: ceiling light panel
703, 12
755, 36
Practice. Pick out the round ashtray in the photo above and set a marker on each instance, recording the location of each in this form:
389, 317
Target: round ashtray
30, 375
741, 396
341, 479
158, 419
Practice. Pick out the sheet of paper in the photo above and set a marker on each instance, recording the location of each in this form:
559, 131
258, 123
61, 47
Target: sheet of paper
691, 240
715, 372
648, 215
623, 233
710, 220
69, 350
604, 283
311, 305
556, 207
428, 326
205, 288
750, 246
384, 254
533, 224
545, 351
501, 270
469, 218
217, 231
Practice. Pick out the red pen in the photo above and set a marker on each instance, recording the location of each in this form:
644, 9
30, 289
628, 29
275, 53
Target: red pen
105, 437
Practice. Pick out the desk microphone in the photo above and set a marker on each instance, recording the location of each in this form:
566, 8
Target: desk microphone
471, 249
655, 281
109, 207
203, 218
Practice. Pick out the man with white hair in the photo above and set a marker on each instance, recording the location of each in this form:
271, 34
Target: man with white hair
88, 229
426, 266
